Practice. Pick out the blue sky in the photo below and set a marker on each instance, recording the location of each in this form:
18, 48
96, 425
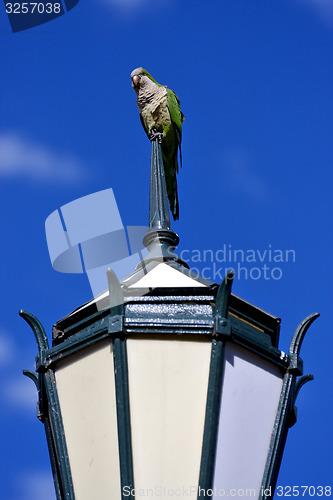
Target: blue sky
255, 83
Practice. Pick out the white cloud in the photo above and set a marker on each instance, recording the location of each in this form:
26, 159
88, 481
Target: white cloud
132, 7
6, 349
126, 3
323, 8
126, 6
36, 485
20, 392
242, 178
20, 157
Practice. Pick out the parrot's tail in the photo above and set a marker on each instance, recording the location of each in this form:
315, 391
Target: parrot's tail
172, 189
174, 204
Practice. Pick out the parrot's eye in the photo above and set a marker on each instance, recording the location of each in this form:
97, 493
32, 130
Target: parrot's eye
136, 80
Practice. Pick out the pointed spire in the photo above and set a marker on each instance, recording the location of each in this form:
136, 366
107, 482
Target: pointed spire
159, 215
160, 240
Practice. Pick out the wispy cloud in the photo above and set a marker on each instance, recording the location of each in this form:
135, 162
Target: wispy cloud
126, 3
20, 157
133, 7
323, 8
20, 392
243, 178
36, 485
126, 6
6, 349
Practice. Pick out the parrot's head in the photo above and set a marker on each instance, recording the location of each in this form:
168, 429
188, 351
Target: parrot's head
141, 80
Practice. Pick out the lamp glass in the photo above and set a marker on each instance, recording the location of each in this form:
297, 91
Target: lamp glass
86, 391
168, 380
250, 396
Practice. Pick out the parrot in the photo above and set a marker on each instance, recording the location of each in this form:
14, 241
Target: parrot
162, 119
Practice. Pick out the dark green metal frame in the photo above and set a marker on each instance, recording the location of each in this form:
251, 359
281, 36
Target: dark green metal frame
203, 312
222, 327
121, 381
212, 311
287, 412
49, 412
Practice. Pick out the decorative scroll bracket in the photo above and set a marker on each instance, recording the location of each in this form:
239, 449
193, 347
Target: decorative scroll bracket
222, 324
287, 412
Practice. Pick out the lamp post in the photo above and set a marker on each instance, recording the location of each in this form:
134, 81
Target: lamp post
167, 384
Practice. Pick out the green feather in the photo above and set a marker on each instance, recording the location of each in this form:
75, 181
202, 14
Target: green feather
172, 137
145, 72
176, 114
177, 118
171, 143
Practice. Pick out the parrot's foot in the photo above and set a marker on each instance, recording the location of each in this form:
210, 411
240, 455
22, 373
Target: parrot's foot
154, 134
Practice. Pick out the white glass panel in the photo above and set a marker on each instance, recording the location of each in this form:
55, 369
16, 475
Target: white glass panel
168, 382
86, 392
250, 396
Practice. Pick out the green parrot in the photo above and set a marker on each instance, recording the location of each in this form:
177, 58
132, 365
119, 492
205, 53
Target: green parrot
162, 118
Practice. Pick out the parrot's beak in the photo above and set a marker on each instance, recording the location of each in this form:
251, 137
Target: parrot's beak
136, 81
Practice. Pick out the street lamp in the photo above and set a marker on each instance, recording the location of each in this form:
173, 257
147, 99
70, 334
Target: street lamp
167, 384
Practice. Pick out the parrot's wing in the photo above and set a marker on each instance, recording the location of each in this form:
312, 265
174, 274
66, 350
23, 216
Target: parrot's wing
176, 116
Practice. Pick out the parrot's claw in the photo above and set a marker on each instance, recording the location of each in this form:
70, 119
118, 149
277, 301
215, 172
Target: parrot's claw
154, 134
